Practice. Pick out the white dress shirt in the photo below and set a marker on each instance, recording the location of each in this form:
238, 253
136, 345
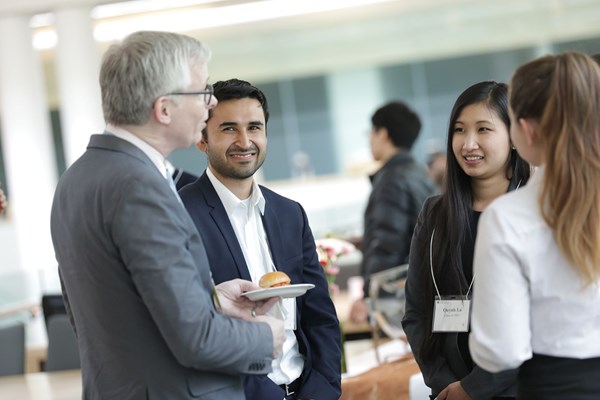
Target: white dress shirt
154, 155
161, 163
245, 217
528, 298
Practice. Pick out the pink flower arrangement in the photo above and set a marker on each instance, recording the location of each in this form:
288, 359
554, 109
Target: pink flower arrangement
328, 250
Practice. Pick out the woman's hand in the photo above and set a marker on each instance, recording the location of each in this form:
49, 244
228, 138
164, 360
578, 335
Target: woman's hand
453, 391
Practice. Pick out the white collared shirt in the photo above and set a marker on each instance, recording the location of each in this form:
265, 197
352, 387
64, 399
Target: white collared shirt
245, 217
528, 298
154, 155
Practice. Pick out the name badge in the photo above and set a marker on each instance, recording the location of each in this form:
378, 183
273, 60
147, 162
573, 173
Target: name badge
451, 314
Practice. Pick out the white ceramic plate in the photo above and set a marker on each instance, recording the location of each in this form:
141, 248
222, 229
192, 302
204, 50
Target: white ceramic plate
281, 291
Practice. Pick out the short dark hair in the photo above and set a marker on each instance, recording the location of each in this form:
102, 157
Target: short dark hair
239, 89
596, 58
402, 123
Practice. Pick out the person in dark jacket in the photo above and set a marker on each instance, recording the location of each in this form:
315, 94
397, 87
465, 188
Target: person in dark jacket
180, 176
400, 187
249, 230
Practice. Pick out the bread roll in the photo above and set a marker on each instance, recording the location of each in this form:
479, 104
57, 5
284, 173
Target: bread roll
274, 279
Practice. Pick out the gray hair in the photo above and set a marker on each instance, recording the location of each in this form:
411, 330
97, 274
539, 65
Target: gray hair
144, 66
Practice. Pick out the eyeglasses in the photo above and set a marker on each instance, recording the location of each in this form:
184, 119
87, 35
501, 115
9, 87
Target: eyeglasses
208, 93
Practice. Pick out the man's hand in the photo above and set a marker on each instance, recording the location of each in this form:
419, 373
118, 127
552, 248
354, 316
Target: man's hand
233, 304
278, 331
453, 391
359, 311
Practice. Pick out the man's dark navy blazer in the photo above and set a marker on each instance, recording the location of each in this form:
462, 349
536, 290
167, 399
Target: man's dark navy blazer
293, 250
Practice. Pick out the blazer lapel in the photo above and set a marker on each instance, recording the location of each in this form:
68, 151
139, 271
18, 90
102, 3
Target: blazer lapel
274, 234
221, 220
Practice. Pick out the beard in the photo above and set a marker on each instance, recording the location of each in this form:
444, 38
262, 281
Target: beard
237, 171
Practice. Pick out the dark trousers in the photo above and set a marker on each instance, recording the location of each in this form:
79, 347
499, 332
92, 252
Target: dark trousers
260, 387
555, 378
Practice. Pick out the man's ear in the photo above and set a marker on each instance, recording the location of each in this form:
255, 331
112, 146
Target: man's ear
383, 133
202, 145
161, 110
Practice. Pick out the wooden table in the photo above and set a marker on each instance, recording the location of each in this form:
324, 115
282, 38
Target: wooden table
385, 382
64, 385
389, 381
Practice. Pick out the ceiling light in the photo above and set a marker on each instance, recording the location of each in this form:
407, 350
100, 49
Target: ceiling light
143, 6
192, 20
188, 19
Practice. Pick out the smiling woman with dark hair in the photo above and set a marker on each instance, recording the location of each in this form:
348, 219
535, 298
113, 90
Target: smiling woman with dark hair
481, 165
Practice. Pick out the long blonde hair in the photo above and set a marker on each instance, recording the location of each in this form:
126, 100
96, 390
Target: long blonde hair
562, 93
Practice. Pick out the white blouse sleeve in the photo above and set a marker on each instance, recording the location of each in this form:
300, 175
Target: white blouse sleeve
500, 326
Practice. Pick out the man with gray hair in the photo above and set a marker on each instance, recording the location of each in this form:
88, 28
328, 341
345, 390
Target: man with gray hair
134, 272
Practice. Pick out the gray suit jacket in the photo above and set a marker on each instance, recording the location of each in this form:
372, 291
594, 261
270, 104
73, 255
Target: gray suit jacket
137, 286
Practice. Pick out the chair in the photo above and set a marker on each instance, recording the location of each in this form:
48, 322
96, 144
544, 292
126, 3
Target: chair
63, 352
52, 304
12, 349
386, 305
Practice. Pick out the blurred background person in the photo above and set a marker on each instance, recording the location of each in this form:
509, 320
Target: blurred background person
3, 201
180, 176
436, 168
400, 187
482, 165
249, 230
537, 260
302, 166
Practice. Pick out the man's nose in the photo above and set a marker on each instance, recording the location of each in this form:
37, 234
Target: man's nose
244, 139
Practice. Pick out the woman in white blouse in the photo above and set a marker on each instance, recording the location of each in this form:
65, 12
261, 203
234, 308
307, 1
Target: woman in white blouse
537, 254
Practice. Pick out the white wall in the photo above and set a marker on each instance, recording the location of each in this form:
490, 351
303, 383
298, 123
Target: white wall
334, 205
9, 253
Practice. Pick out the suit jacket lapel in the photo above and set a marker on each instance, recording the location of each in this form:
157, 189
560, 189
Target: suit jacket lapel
274, 234
221, 220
